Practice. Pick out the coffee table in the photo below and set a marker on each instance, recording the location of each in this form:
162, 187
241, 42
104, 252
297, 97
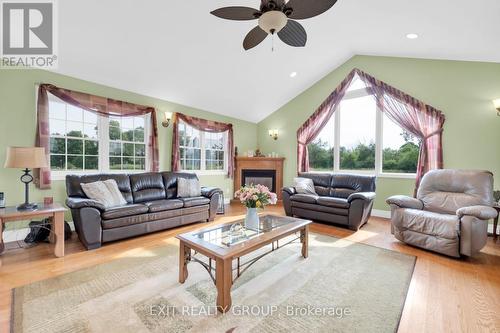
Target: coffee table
226, 244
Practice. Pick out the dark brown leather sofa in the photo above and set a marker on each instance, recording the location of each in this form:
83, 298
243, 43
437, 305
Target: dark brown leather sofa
342, 199
152, 205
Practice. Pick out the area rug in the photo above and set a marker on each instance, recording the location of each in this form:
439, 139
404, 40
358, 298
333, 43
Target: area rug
341, 287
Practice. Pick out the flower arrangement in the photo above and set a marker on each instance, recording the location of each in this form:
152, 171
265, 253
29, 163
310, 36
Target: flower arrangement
256, 196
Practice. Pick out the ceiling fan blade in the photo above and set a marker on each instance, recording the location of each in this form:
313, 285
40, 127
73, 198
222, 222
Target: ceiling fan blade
293, 34
254, 38
237, 13
307, 9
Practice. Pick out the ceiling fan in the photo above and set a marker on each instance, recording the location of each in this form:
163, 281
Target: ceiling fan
276, 17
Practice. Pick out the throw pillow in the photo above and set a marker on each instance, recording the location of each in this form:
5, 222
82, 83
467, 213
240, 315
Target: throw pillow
187, 188
304, 185
116, 195
100, 192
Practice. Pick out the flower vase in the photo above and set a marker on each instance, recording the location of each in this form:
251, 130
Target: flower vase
252, 219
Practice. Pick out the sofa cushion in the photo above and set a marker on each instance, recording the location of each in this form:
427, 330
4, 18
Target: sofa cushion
170, 181
105, 192
320, 208
304, 185
428, 223
333, 202
307, 198
187, 188
126, 221
195, 201
161, 205
128, 210
74, 188
321, 181
147, 187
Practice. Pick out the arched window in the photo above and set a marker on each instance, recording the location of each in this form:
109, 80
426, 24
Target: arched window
361, 138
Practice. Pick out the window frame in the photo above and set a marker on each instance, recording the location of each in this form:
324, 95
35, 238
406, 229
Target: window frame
103, 142
203, 171
379, 142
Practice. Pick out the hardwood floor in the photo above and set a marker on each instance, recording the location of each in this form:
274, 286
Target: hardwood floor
445, 295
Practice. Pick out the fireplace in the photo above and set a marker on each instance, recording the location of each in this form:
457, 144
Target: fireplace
257, 176
267, 171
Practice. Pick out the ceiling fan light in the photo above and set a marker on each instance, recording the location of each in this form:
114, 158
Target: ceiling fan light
272, 21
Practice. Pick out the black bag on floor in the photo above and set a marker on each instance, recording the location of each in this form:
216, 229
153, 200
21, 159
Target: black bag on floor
40, 231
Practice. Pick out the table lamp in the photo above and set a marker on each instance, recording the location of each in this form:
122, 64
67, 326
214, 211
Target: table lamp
26, 158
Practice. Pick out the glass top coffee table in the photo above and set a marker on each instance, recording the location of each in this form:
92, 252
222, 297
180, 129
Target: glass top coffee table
225, 243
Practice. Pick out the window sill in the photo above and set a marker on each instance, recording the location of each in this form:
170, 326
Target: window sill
379, 175
206, 172
398, 175
61, 175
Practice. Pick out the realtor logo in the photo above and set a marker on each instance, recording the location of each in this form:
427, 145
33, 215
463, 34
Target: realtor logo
28, 34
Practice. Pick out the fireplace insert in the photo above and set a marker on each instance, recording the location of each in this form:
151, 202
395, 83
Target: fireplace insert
257, 176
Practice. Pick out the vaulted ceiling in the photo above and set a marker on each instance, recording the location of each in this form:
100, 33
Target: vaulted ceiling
177, 51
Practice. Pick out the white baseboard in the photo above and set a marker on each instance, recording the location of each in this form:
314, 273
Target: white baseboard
15, 235
381, 213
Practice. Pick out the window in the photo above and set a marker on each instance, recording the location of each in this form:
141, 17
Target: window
127, 150
202, 151
361, 138
400, 149
83, 141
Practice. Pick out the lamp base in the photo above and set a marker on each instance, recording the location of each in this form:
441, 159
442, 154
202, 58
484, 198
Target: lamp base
27, 206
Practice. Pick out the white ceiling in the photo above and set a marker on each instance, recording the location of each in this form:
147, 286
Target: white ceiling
177, 51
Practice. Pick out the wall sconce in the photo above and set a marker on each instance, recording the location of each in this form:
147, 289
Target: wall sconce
273, 134
166, 119
496, 103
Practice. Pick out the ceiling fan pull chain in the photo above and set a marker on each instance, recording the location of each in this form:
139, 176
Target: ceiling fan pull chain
272, 43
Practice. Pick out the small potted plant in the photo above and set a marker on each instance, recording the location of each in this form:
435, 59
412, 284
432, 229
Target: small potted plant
255, 197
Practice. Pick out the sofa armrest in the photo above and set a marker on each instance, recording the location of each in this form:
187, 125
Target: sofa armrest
289, 190
208, 192
215, 196
404, 201
367, 196
480, 212
88, 226
287, 203
77, 203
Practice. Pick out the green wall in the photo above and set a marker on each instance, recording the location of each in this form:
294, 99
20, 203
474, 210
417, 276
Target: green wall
462, 90
18, 123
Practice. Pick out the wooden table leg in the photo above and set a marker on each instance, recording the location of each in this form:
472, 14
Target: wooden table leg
184, 257
2, 246
58, 231
495, 224
224, 282
304, 238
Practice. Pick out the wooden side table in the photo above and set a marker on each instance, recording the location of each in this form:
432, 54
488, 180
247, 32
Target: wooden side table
495, 221
54, 211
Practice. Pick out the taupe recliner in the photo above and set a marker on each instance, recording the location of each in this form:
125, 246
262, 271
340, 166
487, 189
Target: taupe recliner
450, 214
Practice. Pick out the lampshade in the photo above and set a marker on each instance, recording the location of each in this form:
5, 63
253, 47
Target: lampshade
496, 103
273, 21
26, 158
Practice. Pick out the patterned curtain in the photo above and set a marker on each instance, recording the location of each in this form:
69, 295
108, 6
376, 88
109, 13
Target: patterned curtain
206, 126
313, 126
416, 117
96, 104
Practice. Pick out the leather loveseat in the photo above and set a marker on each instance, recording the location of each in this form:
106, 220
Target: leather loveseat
152, 205
342, 199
